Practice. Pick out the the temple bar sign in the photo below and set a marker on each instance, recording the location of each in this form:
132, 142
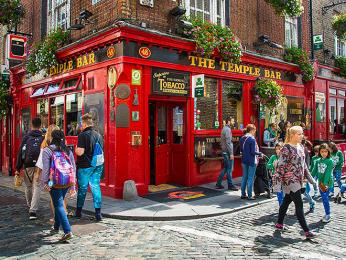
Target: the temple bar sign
236, 68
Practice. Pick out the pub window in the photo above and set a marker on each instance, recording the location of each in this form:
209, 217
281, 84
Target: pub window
94, 104
341, 116
57, 111
70, 83
52, 88
295, 110
38, 92
42, 112
320, 112
332, 115
339, 46
73, 113
337, 111
232, 102
58, 14
178, 125
332, 91
341, 93
207, 106
208, 10
162, 125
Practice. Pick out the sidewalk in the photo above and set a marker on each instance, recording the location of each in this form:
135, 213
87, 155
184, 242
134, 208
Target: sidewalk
146, 209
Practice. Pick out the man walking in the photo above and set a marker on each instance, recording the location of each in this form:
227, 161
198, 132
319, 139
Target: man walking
27, 156
87, 171
228, 157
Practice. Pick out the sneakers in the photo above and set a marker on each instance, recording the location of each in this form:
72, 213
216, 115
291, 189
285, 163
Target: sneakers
326, 219
66, 237
234, 188
281, 227
98, 216
243, 197
310, 235
312, 207
219, 187
251, 198
53, 231
32, 215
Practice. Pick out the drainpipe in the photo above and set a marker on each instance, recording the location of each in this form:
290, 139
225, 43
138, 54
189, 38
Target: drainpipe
311, 31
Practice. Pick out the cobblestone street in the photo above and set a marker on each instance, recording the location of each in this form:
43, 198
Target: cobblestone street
245, 234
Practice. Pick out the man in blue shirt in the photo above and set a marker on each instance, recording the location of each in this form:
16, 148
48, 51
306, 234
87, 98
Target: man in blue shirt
228, 157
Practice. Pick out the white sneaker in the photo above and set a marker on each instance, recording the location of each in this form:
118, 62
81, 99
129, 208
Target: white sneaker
326, 219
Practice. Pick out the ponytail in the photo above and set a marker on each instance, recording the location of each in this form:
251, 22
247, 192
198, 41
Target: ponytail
288, 135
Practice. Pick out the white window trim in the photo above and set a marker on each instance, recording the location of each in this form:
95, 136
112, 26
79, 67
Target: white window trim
293, 40
336, 40
52, 14
213, 10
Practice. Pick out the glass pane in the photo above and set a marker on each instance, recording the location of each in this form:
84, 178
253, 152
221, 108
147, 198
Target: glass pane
42, 112
206, 5
57, 111
73, 113
232, 102
199, 4
94, 104
332, 91
207, 106
341, 92
25, 121
199, 14
192, 3
162, 125
218, 10
341, 116
320, 112
52, 88
38, 92
295, 110
332, 115
70, 83
178, 125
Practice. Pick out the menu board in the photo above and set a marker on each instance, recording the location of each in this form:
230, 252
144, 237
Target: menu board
170, 82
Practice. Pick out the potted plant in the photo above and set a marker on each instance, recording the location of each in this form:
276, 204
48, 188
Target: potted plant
339, 25
340, 62
215, 40
42, 56
267, 93
300, 57
11, 12
292, 8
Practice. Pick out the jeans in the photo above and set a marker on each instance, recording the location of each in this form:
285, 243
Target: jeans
32, 189
325, 200
60, 217
337, 177
228, 168
280, 196
296, 197
308, 196
247, 179
89, 176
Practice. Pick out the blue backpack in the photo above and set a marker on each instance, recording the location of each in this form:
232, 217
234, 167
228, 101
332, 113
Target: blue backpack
97, 156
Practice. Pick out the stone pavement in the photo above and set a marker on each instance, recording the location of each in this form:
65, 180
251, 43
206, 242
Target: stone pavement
244, 234
145, 209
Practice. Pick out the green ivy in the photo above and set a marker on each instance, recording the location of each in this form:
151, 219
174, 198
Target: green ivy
267, 92
340, 62
43, 55
300, 57
4, 96
292, 8
11, 12
212, 39
339, 25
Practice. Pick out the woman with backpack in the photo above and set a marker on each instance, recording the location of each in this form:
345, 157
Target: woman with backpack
57, 177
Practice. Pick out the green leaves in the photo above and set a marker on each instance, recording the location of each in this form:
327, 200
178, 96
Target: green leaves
212, 39
340, 62
300, 57
42, 56
339, 25
11, 12
267, 92
292, 8
4, 97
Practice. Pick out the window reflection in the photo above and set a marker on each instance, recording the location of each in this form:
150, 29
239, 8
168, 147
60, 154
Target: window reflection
178, 125
232, 102
162, 125
73, 113
332, 115
94, 104
42, 112
57, 111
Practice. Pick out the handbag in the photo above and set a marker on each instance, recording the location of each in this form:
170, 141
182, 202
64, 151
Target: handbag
323, 187
18, 181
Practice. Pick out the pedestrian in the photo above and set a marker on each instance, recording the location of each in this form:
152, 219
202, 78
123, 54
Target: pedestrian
307, 195
284, 129
291, 169
270, 135
250, 153
338, 160
227, 154
39, 164
323, 168
89, 172
312, 164
59, 176
27, 156
271, 166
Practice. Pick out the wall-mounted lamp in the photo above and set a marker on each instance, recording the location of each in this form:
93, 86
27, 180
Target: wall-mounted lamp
264, 39
82, 20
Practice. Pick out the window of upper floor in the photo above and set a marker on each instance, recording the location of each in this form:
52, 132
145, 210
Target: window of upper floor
94, 2
58, 14
208, 10
339, 46
291, 32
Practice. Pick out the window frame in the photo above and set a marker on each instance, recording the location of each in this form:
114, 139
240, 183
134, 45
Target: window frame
213, 10
337, 40
53, 12
337, 98
292, 41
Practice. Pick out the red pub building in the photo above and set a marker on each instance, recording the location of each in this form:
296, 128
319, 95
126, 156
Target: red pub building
139, 86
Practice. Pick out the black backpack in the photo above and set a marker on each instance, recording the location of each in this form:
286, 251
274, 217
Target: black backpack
32, 148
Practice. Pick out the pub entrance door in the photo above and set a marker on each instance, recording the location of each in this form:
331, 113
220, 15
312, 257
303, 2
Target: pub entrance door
168, 157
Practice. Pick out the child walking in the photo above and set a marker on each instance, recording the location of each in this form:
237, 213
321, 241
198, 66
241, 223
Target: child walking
338, 160
323, 169
271, 166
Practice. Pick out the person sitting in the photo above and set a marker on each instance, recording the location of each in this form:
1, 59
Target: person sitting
269, 135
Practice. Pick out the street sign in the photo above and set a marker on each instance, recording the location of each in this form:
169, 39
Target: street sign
198, 85
318, 42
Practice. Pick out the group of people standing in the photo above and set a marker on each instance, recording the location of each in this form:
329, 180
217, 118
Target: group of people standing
291, 168
49, 165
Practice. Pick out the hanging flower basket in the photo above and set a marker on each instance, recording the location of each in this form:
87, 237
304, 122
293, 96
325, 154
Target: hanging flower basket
42, 56
339, 25
300, 57
267, 93
212, 39
11, 12
4, 98
291, 8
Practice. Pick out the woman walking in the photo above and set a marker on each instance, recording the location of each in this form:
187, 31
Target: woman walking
250, 153
290, 173
58, 176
